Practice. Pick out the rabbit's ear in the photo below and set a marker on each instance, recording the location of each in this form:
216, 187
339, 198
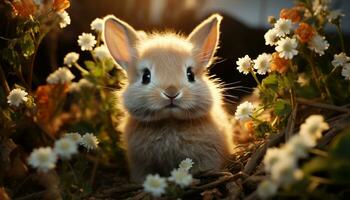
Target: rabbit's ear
205, 38
120, 39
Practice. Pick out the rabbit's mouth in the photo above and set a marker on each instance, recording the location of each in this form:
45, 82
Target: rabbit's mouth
171, 105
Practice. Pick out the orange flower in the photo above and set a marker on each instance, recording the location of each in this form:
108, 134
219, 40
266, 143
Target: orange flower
23, 8
304, 32
60, 5
292, 14
278, 64
249, 125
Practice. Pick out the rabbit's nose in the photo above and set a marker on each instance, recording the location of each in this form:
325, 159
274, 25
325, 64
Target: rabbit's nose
171, 92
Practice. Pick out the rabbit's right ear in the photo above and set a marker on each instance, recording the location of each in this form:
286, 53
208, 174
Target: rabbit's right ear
121, 40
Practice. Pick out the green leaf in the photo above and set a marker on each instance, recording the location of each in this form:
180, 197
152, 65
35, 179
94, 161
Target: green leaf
90, 64
27, 45
271, 81
340, 147
263, 128
282, 107
315, 165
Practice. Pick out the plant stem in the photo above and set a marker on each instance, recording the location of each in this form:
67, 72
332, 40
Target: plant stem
319, 152
81, 69
4, 83
255, 77
341, 38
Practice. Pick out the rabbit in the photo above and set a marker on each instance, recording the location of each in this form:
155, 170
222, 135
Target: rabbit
173, 109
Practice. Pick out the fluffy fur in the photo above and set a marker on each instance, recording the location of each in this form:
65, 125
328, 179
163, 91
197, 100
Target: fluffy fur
158, 136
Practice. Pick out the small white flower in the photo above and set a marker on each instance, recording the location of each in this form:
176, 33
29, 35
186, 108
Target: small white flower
89, 141
186, 164
65, 147
313, 126
84, 83
318, 44
17, 97
271, 37
43, 159
273, 156
181, 177
346, 71
262, 63
335, 15
102, 52
61, 76
71, 58
244, 111
97, 25
319, 6
298, 145
283, 172
267, 189
303, 80
86, 41
65, 19
244, 64
155, 185
286, 47
283, 27
76, 137
340, 59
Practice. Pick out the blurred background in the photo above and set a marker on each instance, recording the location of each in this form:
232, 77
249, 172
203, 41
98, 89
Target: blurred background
243, 27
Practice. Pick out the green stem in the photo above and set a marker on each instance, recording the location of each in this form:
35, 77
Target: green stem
81, 69
315, 74
255, 77
341, 38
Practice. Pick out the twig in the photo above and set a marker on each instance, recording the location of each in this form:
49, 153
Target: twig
213, 184
35, 195
255, 159
323, 105
4, 83
94, 170
291, 120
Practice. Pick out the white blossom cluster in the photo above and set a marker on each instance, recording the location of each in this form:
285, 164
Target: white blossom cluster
45, 158
156, 185
282, 163
342, 60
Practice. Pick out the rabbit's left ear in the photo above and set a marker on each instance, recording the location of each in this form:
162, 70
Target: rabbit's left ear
205, 38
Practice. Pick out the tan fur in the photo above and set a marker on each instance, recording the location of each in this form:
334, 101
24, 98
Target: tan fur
157, 137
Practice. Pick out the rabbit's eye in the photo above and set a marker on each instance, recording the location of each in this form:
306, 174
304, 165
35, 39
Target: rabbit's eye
146, 76
190, 75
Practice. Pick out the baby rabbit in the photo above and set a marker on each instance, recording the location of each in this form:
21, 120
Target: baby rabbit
174, 111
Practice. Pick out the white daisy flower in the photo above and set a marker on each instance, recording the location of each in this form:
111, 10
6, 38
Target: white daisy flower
303, 80
76, 137
17, 97
267, 189
186, 164
244, 64
262, 63
318, 44
283, 172
244, 111
65, 19
181, 177
283, 27
71, 58
61, 76
102, 52
286, 47
86, 41
43, 159
334, 16
340, 59
313, 126
155, 185
97, 25
319, 6
89, 141
65, 147
271, 37
346, 71
84, 83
